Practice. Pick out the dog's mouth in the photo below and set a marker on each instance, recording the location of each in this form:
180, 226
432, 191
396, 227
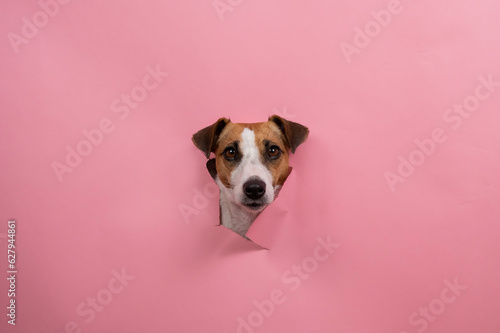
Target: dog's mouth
254, 205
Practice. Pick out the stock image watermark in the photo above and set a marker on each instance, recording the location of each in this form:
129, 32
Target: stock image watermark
372, 29
284, 113
11, 272
454, 117
90, 308
30, 27
421, 319
94, 137
291, 279
201, 199
221, 7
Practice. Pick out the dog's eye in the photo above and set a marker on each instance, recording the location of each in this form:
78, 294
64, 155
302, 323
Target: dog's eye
230, 153
273, 151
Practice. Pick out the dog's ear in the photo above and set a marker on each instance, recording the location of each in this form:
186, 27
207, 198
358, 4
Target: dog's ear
206, 139
212, 168
294, 133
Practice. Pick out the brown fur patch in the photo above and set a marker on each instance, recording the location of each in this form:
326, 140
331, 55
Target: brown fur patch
230, 134
270, 132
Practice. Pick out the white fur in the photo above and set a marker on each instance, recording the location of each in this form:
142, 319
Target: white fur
234, 215
251, 166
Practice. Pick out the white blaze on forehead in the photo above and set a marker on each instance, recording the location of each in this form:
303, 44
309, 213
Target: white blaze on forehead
251, 166
249, 147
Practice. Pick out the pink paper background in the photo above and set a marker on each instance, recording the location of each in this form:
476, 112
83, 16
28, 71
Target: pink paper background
119, 210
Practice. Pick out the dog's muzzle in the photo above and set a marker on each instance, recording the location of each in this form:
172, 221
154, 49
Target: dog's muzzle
254, 190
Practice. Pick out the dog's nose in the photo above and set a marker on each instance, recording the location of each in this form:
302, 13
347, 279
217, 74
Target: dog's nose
254, 188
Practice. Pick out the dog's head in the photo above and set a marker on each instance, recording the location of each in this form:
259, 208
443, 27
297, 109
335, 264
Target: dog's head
251, 160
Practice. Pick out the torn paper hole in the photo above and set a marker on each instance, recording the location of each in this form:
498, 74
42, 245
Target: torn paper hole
250, 165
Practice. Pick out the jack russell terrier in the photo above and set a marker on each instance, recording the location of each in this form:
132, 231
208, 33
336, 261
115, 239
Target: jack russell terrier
250, 164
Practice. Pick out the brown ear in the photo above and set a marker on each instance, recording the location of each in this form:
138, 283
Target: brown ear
212, 168
294, 133
206, 139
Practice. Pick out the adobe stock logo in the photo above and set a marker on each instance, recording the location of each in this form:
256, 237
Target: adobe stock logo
94, 137
372, 29
223, 6
30, 28
455, 116
428, 314
97, 303
199, 202
293, 279
284, 113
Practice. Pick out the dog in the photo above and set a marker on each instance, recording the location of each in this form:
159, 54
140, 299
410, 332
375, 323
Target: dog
250, 166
